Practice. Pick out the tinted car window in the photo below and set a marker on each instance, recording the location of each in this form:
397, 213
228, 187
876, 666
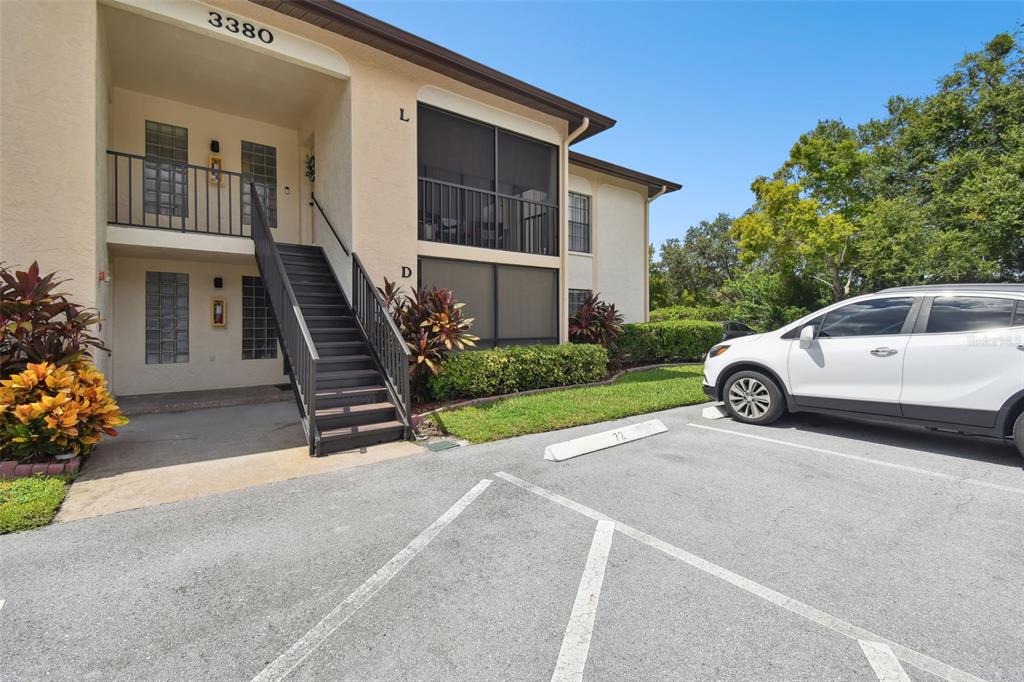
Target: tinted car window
867, 318
967, 314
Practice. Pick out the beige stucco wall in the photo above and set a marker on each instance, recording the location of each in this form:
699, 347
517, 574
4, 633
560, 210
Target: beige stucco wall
215, 353
57, 124
129, 112
48, 139
383, 148
617, 265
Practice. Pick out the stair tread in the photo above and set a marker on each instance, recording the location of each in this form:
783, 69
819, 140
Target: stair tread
353, 409
343, 431
346, 373
332, 345
349, 391
350, 358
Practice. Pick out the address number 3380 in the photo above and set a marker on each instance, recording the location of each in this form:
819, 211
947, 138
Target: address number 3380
243, 28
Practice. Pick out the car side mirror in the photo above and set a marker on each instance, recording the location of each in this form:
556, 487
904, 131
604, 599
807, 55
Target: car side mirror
807, 335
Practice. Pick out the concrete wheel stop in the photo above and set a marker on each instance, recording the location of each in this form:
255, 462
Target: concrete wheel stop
559, 452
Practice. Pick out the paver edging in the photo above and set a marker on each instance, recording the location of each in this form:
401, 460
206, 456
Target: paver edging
13, 469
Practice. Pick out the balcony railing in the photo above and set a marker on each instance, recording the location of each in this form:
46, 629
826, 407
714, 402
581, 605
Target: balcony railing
453, 214
148, 192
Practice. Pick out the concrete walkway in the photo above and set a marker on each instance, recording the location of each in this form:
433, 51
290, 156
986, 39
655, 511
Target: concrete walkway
161, 458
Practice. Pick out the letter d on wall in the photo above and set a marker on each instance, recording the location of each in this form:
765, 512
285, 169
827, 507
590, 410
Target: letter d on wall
406, 272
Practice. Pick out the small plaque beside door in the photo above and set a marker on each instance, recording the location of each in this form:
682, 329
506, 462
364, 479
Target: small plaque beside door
218, 313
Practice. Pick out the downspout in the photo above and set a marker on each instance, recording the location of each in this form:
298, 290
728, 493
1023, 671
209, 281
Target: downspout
563, 240
664, 188
579, 131
647, 264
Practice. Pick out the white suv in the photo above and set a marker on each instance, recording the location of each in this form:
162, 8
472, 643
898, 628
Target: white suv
947, 356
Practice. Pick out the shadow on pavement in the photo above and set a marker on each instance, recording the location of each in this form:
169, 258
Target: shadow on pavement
990, 450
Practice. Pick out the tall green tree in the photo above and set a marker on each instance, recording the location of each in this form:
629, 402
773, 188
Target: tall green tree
697, 267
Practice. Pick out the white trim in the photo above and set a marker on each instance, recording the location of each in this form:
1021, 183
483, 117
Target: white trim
457, 104
175, 239
195, 16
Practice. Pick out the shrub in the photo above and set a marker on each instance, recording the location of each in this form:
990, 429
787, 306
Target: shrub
672, 341
432, 324
597, 322
39, 324
49, 409
479, 374
714, 313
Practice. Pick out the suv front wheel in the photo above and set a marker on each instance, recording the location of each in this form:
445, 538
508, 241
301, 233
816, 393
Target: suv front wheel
753, 398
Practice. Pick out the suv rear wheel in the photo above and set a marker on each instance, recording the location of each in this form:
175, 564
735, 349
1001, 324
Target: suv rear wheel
1018, 434
753, 398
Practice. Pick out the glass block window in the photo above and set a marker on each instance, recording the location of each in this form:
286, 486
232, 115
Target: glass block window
259, 165
576, 298
579, 222
166, 317
259, 334
165, 179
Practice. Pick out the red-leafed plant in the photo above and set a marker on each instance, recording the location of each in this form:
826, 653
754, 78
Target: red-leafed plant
40, 324
432, 323
596, 321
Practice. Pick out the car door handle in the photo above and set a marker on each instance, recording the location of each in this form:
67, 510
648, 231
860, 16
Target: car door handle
884, 352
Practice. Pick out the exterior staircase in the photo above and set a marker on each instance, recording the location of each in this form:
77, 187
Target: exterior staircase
348, 363
353, 408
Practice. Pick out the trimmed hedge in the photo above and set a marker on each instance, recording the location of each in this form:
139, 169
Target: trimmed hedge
671, 341
685, 312
482, 373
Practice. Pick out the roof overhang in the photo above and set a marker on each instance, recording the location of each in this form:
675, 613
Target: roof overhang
345, 21
655, 185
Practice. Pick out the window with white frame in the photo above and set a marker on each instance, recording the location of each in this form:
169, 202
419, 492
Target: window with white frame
259, 334
579, 222
165, 180
576, 298
166, 317
259, 165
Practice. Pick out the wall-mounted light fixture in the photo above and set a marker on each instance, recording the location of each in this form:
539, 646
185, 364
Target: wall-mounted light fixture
218, 282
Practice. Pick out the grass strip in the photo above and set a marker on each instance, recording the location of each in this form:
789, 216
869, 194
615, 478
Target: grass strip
631, 394
29, 502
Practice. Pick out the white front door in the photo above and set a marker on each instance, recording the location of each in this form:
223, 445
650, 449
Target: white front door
856, 360
965, 363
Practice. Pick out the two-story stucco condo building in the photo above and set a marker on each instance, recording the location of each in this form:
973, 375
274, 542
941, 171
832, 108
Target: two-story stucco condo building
228, 182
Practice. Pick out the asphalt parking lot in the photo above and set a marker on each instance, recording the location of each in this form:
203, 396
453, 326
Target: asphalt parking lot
816, 549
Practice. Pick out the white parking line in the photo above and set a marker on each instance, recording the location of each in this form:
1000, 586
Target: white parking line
884, 662
866, 460
922, 661
286, 662
572, 658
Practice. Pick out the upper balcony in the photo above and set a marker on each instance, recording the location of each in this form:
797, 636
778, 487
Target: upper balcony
483, 186
172, 195
193, 114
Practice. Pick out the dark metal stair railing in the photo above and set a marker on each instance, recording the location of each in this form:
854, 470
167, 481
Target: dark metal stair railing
382, 334
291, 326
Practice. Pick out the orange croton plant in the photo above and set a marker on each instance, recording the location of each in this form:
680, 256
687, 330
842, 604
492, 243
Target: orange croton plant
49, 409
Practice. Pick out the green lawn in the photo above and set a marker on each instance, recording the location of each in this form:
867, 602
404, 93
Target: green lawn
29, 502
634, 393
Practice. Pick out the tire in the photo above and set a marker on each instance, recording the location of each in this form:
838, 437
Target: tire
1018, 434
753, 398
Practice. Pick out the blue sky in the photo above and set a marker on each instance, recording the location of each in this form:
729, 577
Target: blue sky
711, 94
